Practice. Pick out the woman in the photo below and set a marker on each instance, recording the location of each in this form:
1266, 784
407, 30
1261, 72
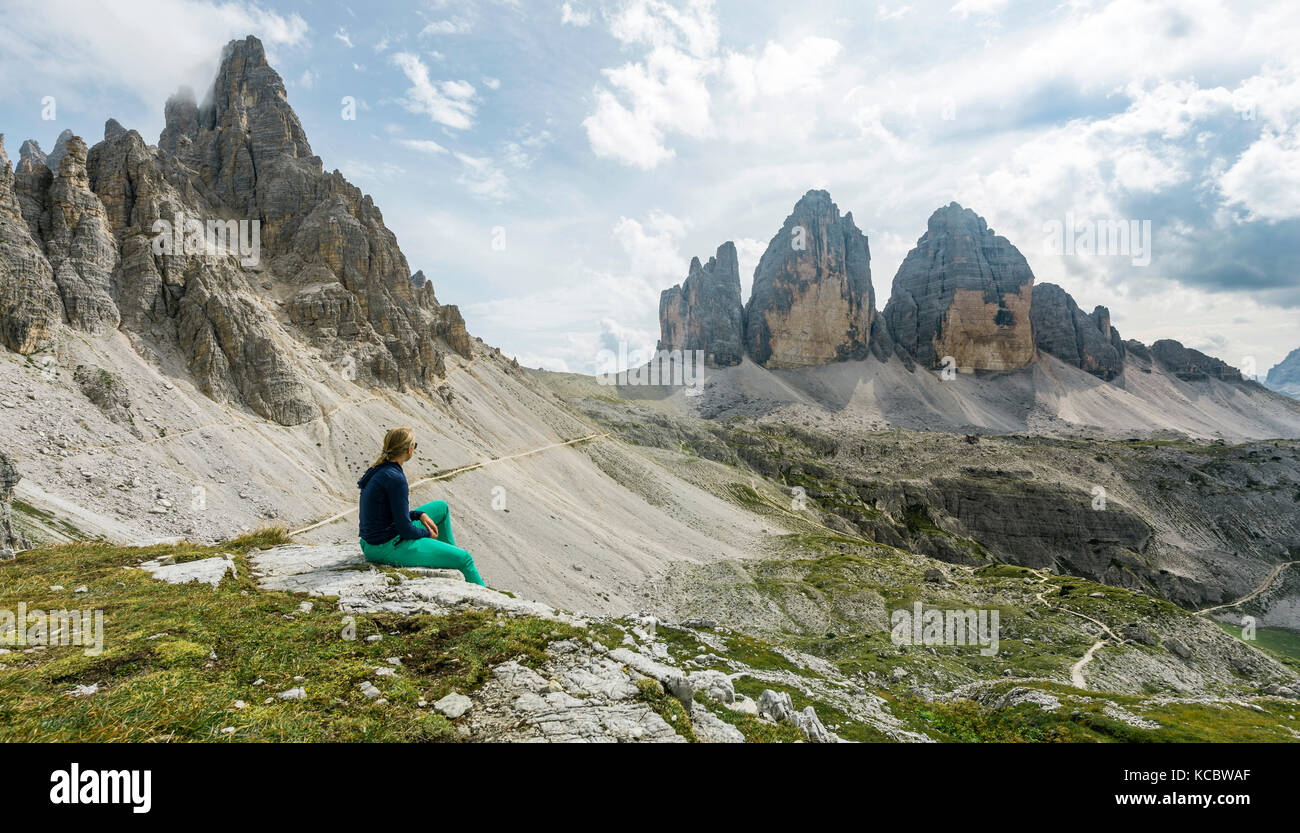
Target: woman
388, 535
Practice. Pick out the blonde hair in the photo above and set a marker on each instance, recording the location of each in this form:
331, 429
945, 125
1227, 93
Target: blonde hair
396, 441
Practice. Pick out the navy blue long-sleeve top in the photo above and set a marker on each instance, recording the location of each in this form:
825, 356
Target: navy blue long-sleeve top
385, 509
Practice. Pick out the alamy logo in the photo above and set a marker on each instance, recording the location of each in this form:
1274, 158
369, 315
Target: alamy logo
919, 626
192, 237
24, 628
676, 368
109, 786
1102, 238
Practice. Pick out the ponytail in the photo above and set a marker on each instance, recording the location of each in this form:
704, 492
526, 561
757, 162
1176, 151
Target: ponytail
396, 441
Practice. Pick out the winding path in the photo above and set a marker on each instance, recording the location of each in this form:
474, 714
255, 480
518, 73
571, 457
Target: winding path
447, 475
1076, 670
1264, 585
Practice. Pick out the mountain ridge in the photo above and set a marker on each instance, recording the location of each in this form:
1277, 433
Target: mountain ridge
964, 302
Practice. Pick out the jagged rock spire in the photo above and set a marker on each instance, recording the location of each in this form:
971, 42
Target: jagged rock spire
812, 301
704, 311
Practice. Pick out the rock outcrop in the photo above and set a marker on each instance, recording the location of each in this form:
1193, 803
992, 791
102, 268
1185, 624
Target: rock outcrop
224, 246
704, 312
1087, 341
1284, 377
108, 392
9, 477
963, 292
1192, 365
812, 301
29, 299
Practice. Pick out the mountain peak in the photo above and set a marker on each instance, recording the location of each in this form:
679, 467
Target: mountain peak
704, 311
963, 294
812, 301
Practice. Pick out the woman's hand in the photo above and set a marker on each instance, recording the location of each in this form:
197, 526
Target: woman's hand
428, 522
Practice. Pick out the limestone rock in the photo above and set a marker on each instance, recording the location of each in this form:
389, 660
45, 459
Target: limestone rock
704, 312
777, 706
60, 148
1192, 365
30, 310
79, 243
113, 129
82, 236
710, 728
453, 705
963, 292
812, 301
9, 478
107, 391
1088, 342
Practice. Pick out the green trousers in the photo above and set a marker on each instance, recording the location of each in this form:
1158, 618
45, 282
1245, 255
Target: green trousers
439, 552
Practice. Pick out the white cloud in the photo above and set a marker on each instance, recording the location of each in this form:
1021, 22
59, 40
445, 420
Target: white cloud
1265, 179
74, 50
492, 83
616, 132
342, 37
454, 26
969, 7
482, 177
653, 248
367, 173
666, 92
444, 102
884, 13
574, 16
306, 80
779, 71
683, 85
423, 146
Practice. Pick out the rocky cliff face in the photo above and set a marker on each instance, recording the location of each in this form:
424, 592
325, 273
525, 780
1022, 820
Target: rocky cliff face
1087, 341
79, 237
963, 292
29, 299
9, 477
1284, 377
812, 301
1192, 365
704, 311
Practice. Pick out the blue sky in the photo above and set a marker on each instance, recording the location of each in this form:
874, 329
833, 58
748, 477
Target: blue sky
611, 142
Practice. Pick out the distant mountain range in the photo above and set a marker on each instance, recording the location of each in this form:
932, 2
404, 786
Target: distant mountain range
1284, 377
964, 299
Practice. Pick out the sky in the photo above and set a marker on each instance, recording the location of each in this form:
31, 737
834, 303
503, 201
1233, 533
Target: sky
552, 167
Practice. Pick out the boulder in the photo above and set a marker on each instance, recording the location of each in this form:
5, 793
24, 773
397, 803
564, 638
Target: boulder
453, 705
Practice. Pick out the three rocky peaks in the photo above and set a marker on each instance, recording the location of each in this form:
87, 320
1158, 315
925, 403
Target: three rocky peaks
964, 297
76, 229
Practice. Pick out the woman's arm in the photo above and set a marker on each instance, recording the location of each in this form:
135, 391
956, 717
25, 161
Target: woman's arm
399, 505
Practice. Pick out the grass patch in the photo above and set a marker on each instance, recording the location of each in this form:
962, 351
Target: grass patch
176, 658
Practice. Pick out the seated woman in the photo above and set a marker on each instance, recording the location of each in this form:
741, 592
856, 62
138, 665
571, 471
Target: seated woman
388, 535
